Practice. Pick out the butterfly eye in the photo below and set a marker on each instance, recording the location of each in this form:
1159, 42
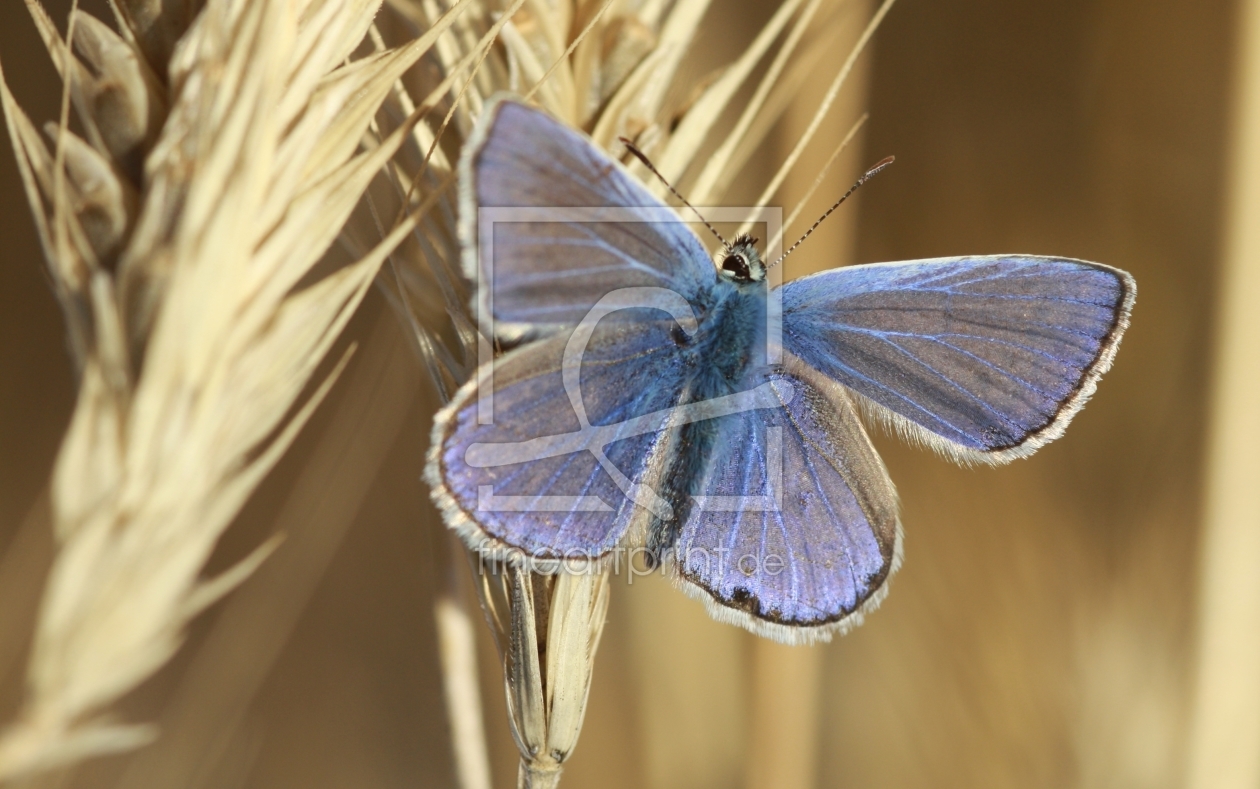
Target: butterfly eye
737, 265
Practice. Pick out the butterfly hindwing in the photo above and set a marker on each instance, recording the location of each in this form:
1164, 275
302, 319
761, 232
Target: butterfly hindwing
549, 271
553, 498
794, 532
985, 358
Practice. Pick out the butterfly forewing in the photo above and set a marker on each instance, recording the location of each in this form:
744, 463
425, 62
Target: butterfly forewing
985, 357
540, 265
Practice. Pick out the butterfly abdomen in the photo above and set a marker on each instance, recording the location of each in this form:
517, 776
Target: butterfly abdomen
729, 342
692, 451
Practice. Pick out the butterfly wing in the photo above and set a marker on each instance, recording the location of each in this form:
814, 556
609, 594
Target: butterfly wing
984, 358
550, 224
795, 532
532, 483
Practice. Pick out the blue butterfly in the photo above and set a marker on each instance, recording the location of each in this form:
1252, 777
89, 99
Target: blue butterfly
657, 401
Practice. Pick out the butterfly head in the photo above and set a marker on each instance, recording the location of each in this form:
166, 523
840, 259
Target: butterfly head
741, 261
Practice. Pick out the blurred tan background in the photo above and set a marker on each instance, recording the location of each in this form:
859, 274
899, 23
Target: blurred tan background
1042, 630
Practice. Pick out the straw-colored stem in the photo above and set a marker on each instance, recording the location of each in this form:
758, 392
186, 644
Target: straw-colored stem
1224, 746
783, 720
532, 777
457, 650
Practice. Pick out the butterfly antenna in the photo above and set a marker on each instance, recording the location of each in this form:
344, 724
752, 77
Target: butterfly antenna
641, 156
866, 176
